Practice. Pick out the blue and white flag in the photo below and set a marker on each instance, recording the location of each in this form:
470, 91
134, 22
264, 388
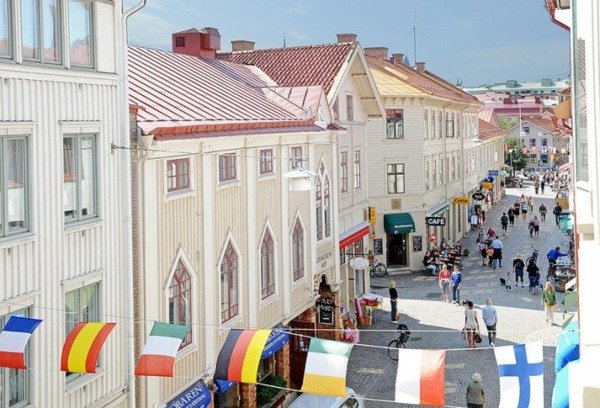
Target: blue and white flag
521, 371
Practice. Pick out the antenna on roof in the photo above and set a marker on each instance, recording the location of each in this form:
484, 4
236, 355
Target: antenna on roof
284, 38
415, 29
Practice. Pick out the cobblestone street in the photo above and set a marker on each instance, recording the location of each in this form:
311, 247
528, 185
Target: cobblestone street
520, 317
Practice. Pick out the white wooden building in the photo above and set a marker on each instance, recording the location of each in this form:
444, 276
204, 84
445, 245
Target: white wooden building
65, 253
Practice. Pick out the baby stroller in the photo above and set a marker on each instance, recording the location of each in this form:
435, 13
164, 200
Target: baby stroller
534, 284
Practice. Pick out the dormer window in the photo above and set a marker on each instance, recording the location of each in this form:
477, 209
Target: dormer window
179, 41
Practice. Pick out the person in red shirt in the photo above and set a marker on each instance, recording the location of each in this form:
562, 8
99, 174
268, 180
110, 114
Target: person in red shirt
444, 282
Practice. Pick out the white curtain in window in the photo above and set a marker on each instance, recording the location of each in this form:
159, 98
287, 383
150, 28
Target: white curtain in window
80, 33
88, 177
16, 162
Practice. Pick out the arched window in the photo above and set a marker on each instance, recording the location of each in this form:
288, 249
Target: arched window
326, 206
319, 207
229, 284
180, 301
298, 251
267, 266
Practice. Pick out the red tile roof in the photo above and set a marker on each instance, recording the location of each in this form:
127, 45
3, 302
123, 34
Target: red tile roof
297, 66
426, 81
547, 124
182, 94
489, 131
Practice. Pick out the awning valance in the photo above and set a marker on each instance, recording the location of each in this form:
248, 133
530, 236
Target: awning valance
400, 223
353, 234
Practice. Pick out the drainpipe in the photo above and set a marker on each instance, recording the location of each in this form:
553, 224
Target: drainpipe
444, 137
125, 134
462, 157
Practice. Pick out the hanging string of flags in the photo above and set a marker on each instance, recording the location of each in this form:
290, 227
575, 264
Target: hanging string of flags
520, 367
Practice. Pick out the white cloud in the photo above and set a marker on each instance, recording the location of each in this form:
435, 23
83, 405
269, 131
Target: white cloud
147, 29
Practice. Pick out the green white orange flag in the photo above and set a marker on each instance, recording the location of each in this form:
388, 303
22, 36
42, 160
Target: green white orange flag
326, 365
158, 355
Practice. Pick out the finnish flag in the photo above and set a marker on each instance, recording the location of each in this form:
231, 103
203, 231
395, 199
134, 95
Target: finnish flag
521, 371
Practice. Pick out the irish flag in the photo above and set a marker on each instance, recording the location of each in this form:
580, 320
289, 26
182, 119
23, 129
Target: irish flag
420, 377
326, 365
158, 356
13, 340
82, 347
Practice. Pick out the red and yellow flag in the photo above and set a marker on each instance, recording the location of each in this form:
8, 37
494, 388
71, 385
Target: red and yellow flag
82, 347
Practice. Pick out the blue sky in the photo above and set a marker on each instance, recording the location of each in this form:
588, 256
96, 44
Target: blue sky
476, 41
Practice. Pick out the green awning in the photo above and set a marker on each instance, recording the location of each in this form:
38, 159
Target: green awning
401, 223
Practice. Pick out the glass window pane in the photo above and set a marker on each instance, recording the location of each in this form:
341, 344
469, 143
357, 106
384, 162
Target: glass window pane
88, 177
16, 183
5, 46
89, 304
69, 179
30, 22
71, 310
80, 33
51, 32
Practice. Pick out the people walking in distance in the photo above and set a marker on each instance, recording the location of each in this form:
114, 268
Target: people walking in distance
549, 302
491, 234
475, 393
456, 280
474, 220
444, 281
536, 185
480, 233
497, 257
511, 216
524, 208
393, 301
517, 208
536, 225
471, 324
504, 223
490, 255
518, 268
543, 185
533, 273
553, 255
530, 228
557, 211
543, 210
482, 250
530, 204
490, 318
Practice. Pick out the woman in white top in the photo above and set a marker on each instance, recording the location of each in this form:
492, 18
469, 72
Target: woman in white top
471, 324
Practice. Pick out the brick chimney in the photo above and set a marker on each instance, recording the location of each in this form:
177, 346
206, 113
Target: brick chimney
202, 43
377, 52
346, 37
421, 66
398, 58
242, 45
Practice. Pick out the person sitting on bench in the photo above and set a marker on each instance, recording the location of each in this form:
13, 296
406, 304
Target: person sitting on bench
429, 265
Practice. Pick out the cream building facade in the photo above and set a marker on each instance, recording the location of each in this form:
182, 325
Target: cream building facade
65, 253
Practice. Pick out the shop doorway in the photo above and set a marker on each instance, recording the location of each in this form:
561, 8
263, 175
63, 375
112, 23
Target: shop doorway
299, 350
397, 250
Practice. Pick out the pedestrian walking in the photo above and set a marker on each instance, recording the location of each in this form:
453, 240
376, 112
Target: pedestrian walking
394, 301
549, 302
543, 210
482, 250
504, 223
474, 221
536, 225
517, 208
490, 318
456, 280
471, 324
518, 268
444, 281
497, 257
533, 273
557, 211
536, 186
530, 228
530, 204
511, 216
475, 393
543, 185
524, 208
490, 255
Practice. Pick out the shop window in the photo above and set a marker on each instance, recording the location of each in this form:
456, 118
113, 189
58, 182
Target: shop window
180, 301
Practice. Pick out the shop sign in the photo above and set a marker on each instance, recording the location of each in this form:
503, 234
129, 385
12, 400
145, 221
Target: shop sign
278, 338
372, 215
417, 241
325, 310
432, 237
460, 200
435, 221
195, 396
486, 185
378, 246
324, 259
478, 196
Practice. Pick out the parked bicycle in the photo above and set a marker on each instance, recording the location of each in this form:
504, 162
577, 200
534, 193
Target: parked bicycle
394, 345
378, 269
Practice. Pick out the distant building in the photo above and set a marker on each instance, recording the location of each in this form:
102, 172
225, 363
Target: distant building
547, 89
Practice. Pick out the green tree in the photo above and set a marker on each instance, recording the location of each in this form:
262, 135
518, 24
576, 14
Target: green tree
516, 158
506, 122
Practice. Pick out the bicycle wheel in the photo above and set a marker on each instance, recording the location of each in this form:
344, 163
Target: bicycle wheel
380, 270
392, 349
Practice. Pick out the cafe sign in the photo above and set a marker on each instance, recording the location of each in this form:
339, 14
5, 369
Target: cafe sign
478, 196
325, 310
460, 200
435, 221
486, 185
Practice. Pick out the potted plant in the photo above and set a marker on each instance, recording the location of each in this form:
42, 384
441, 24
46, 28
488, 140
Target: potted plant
267, 395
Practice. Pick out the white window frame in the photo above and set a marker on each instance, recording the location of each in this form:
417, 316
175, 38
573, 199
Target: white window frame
236, 175
426, 124
40, 34
344, 172
357, 169
396, 174
92, 63
426, 174
77, 163
4, 189
273, 268
350, 107
266, 165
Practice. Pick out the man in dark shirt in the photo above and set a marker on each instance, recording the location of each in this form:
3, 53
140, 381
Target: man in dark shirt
504, 222
557, 211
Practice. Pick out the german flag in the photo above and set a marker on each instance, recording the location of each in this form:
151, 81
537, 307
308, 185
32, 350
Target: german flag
82, 347
240, 355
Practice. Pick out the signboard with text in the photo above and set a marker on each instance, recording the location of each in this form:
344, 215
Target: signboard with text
460, 200
486, 185
435, 221
325, 310
478, 196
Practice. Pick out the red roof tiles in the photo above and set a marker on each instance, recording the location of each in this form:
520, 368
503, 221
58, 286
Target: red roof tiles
489, 131
297, 66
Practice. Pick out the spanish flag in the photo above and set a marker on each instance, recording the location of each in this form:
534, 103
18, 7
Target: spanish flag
82, 347
240, 355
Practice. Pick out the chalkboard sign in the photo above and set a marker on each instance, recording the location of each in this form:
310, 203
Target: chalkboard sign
378, 246
417, 243
325, 310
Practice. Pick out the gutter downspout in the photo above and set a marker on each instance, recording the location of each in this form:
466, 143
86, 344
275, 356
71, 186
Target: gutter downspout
462, 160
124, 104
444, 137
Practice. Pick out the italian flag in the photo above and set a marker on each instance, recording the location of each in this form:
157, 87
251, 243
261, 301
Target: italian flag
158, 356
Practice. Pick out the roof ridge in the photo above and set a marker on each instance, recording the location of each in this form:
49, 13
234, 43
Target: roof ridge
285, 48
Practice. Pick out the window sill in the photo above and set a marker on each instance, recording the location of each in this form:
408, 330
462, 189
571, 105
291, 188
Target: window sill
82, 381
17, 239
230, 323
267, 176
190, 348
228, 183
84, 225
174, 195
267, 301
299, 283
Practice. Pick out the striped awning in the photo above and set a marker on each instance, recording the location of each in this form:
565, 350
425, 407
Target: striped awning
353, 234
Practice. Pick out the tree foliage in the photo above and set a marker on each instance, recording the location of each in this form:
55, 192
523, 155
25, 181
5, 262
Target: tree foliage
506, 122
517, 159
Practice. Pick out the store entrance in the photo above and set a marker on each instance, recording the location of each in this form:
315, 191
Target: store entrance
397, 252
